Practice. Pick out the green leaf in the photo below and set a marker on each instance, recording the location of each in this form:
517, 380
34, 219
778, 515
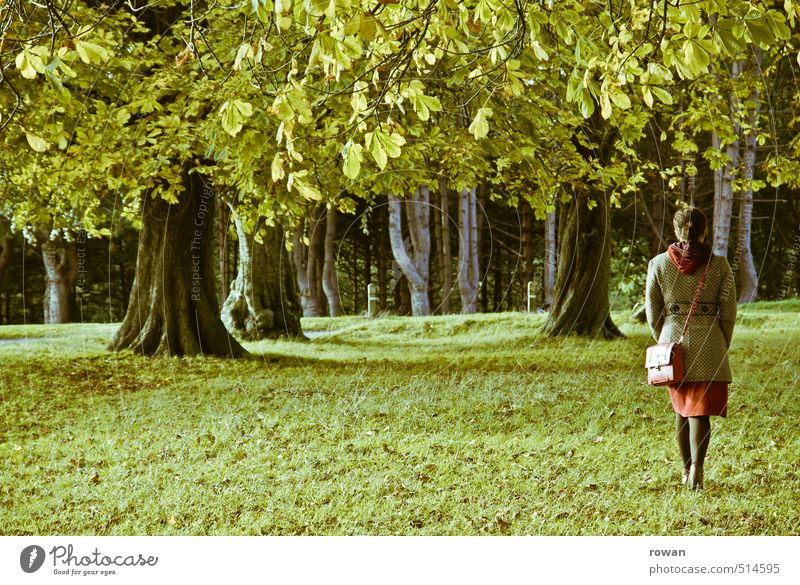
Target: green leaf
648, 96
306, 190
605, 106
367, 27
423, 104
231, 119
245, 52
540, 53
37, 143
234, 113
621, 100
277, 168
353, 155
587, 104
376, 150
245, 109
662, 94
55, 81
30, 62
91, 53
480, 124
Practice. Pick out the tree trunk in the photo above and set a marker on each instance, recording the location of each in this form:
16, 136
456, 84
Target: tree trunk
549, 279
308, 264
445, 257
330, 282
584, 259
264, 301
748, 277
61, 269
401, 296
314, 264
480, 211
497, 285
526, 252
173, 307
224, 218
723, 200
383, 268
416, 268
6, 254
468, 283
367, 267
300, 253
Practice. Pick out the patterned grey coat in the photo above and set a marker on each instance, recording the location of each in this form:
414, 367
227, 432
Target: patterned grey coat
669, 294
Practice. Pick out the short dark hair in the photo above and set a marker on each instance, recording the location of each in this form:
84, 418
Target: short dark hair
689, 223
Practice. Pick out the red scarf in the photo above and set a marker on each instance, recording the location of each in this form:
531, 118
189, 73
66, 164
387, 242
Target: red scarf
689, 256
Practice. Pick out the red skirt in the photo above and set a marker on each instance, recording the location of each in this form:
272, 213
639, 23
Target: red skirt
700, 398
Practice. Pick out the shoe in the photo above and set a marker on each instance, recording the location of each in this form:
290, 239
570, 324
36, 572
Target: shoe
694, 481
685, 475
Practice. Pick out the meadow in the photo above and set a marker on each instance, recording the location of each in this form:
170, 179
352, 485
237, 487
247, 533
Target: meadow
447, 425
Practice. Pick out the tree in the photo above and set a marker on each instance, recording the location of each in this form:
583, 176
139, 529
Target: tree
264, 301
6, 249
61, 270
308, 263
330, 282
415, 262
359, 98
173, 307
468, 270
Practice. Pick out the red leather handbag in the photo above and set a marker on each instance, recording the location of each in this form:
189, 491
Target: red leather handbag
664, 361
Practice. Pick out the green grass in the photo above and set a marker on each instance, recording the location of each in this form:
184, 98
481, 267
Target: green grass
446, 425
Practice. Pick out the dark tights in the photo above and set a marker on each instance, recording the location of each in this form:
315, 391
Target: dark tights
694, 434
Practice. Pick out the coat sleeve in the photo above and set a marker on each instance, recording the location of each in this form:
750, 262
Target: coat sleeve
727, 302
654, 302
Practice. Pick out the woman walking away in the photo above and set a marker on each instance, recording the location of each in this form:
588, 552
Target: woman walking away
672, 279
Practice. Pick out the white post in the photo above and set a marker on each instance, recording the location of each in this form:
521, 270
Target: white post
531, 294
372, 301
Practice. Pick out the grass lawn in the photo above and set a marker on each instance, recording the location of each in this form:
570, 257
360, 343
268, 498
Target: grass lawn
445, 425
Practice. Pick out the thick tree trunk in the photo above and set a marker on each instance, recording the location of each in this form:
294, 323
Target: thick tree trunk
581, 302
61, 269
330, 282
549, 279
723, 200
416, 269
173, 308
264, 301
468, 276
748, 277
445, 256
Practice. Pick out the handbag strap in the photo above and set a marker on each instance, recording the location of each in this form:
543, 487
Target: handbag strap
697, 294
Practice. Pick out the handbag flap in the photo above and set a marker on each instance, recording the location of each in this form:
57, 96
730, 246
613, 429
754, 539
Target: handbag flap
659, 355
